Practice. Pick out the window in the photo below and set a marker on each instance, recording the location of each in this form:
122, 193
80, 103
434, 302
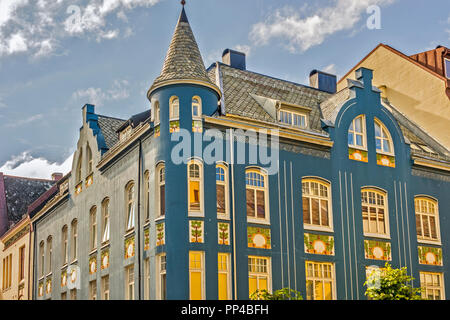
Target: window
196, 107
195, 187
427, 219
79, 176
316, 198
7, 272
21, 263
433, 285
41, 259
147, 195
147, 279
161, 268
90, 166
224, 276
161, 189
105, 220
174, 108
74, 244
73, 294
320, 280
129, 283
257, 196
157, 113
222, 191
105, 287
374, 212
258, 274
64, 245
196, 275
93, 290
295, 119
357, 132
383, 140
93, 228
49, 255
130, 206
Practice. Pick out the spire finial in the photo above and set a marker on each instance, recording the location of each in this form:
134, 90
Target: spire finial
183, 2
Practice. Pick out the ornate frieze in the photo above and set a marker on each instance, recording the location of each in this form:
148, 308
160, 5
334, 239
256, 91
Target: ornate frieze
259, 237
223, 233
377, 250
430, 256
319, 244
196, 231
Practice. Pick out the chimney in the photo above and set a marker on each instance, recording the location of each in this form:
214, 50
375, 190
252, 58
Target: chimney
323, 81
57, 176
234, 59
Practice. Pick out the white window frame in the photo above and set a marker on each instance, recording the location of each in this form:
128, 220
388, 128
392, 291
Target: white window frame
130, 208
174, 108
49, 254
291, 115
224, 167
322, 279
41, 258
385, 207
93, 290
161, 272
258, 274
201, 270
265, 189
74, 240
227, 272
65, 244
105, 287
199, 179
433, 287
327, 185
363, 133
130, 282
105, 221
93, 228
386, 139
198, 105
428, 200
147, 196
160, 178
147, 279
157, 113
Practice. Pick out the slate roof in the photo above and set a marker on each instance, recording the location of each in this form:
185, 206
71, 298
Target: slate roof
183, 60
109, 127
244, 92
22, 192
135, 120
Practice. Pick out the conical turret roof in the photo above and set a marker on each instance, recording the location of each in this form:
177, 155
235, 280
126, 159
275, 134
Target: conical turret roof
184, 63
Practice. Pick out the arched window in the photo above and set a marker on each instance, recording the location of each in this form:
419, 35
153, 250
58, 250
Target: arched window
357, 132
257, 196
222, 191
196, 107
383, 139
157, 111
79, 176
195, 187
105, 220
161, 189
90, 166
93, 228
41, 258
74, 240
374, 212
147, 195
316, 198
174, 108
49, 254
427, 219
64, 245
130, 207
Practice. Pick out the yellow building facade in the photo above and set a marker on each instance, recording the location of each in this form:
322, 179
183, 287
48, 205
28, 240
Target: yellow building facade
414, 86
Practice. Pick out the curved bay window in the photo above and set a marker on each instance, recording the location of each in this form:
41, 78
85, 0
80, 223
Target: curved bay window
195, 187
374, 212
196, 107
427, 219
383, 139
357, 133
174, 108
161, 189
130, 207
222, 191
316, 198
257, 196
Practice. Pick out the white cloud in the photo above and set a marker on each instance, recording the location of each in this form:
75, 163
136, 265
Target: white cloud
25, 121
37, 27
243, 48
331, 68
97, 96
303, 31
25, 165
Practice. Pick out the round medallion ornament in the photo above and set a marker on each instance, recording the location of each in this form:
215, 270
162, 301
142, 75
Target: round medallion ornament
430, 257
378, 253
319, 246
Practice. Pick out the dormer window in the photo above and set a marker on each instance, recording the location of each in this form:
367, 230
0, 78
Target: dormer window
294, 119
125, 133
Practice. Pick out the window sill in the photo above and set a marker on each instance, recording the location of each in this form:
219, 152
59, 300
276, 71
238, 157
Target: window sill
64, 266
436, 242
146, 223
48, 275
93, 251
227, 218
195, 214
376, 235
129, 233
318, 228
74, 261
358, 148
160, 218
386, 154
258, 221
105, 244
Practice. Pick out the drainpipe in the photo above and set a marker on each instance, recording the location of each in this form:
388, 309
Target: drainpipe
29, 261
139, 221
234, 214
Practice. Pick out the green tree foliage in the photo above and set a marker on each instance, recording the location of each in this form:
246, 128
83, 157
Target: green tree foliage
391, 284
282, 294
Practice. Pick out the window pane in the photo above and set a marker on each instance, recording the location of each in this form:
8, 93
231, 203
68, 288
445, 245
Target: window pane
196, 286
315, 211
250, 203
433, 228
324, 211
260, 200
306, 213
418, 225
162, 199
223, 286
194, 195
220, 198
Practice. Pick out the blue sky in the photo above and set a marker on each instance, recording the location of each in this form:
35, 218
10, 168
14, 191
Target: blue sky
57, 55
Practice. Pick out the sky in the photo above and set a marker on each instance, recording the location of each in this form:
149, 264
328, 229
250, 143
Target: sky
57, 55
